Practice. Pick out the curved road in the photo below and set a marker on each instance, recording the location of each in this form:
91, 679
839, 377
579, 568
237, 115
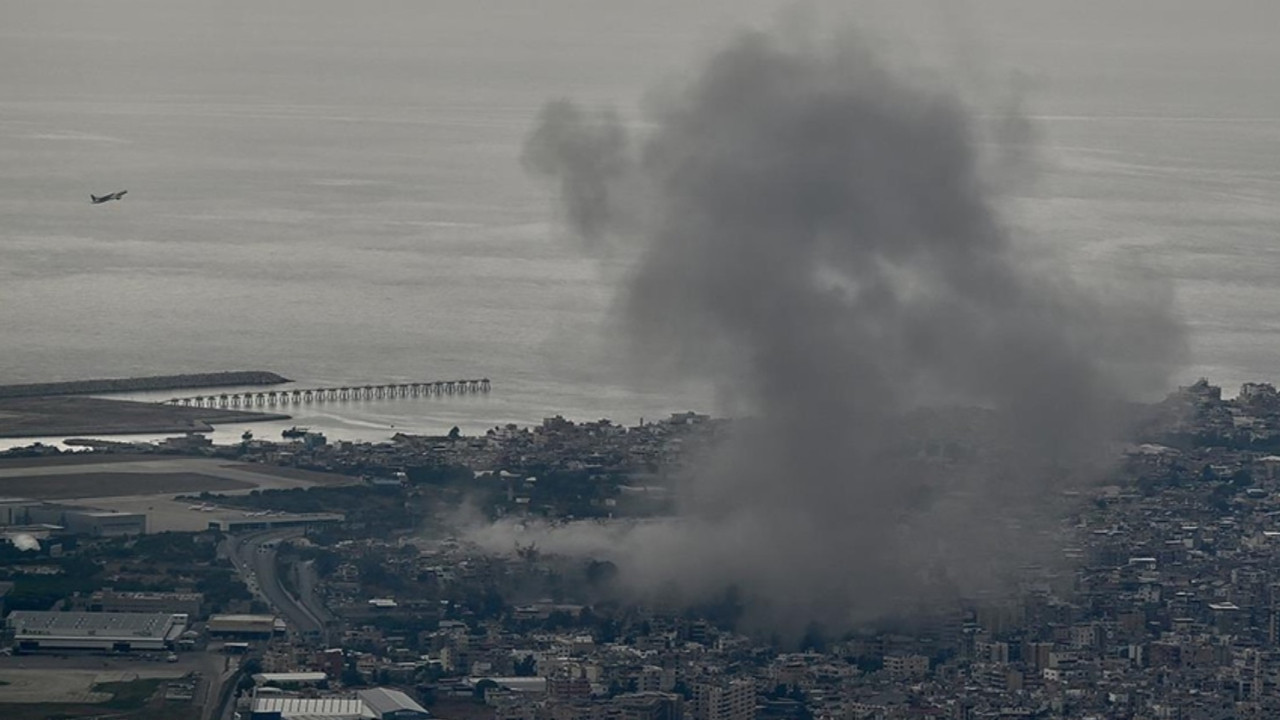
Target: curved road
254, 557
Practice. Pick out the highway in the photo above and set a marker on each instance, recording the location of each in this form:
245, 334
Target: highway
254, 557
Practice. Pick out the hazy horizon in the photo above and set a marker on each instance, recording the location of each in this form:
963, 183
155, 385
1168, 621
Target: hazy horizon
335, 192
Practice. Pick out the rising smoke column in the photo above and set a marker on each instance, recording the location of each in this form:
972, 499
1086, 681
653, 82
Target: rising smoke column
811, 232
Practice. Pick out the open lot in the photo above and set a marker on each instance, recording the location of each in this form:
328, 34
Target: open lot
111, 484
148, 484
63, 684
86, 477
135, 664
76, 415
75, 458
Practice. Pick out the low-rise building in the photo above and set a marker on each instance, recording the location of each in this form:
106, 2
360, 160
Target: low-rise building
244, 626
117, 632
388, 704
275, 707
168, 602
372, 704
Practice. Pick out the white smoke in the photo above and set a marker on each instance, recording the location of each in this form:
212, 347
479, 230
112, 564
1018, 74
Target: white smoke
24, 541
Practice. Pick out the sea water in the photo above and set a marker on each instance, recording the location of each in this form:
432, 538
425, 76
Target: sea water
333, 191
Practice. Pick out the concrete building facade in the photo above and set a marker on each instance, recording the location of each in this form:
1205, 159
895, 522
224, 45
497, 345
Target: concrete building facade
115, 632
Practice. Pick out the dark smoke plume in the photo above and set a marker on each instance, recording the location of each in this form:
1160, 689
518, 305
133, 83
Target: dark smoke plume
813, 235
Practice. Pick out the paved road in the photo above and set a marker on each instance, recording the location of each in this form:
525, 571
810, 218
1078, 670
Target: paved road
254, 556
308, 579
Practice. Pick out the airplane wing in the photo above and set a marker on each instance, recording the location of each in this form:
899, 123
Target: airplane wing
97, 200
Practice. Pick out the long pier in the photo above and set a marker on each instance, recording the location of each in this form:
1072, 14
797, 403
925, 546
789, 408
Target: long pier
334, 394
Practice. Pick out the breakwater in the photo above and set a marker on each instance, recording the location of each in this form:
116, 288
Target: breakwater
140, 384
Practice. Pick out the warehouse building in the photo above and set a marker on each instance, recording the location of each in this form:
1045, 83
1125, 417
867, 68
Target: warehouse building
75, 519
146, 602
17, 511
104, 523
263, 522
371, 704
116, 632
295, 708
290, 679
244, 626
388, 704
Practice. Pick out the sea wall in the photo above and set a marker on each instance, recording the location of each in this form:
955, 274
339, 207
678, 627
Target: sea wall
139, 384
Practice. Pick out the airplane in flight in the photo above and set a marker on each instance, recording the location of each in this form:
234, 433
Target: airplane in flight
98, 200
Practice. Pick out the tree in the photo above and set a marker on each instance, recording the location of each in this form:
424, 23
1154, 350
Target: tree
483, 687
350, 675
526, 666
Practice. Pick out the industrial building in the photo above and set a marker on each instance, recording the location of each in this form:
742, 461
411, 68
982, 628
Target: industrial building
388, 704
116, 632
75, 519
245, 626
287, 679
532, 685
371, 704
146, 602
264, 522
274, 707
13, 511
103, 523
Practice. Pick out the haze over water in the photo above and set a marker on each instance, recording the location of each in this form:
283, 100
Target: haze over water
333, 191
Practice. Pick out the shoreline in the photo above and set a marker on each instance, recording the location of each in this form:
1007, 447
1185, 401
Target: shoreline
71, 416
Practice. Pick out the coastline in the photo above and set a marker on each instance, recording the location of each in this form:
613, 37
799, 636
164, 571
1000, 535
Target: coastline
69, 416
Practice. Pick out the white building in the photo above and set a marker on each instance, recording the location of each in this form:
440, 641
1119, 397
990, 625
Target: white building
295, 708
371, 704
732, 700
285, 679
118, 632
245, 625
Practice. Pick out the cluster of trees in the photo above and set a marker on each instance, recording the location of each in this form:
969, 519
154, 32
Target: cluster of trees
41, 591
221, 589
168, 547
373, 508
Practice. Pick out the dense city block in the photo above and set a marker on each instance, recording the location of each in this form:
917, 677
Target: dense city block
369, 593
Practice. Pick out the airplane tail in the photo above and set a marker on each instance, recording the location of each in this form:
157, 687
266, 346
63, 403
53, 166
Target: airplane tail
93, 198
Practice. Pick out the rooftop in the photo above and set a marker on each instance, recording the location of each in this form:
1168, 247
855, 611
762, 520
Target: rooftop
386, 700
331, 708
285, 678
85, 624
148, 595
